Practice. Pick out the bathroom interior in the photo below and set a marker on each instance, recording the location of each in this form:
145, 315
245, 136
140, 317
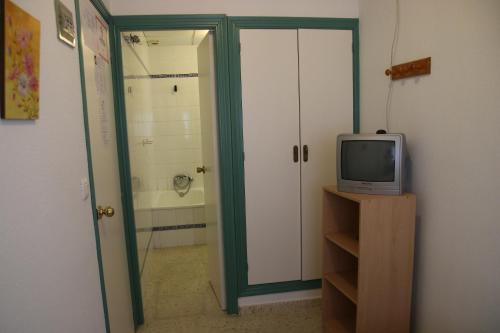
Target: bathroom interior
171, 121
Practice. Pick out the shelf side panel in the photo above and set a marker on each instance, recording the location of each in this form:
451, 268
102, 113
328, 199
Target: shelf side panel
387, 231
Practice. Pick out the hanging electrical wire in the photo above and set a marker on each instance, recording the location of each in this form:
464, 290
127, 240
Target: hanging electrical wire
393, 52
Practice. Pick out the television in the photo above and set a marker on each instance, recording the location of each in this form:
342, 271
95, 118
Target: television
372, 163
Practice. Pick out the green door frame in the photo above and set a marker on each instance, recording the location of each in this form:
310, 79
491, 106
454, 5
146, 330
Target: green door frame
101, 8
228, 74
217, 24
249, 22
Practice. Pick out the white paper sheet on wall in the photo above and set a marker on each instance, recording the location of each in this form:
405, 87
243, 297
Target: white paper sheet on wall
95, 37
89, 26
100, 85
100, 76
104, 122
102, 39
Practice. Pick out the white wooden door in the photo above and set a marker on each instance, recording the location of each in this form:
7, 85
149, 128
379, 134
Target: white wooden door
210, 157
326, 110
270, 103
99, 93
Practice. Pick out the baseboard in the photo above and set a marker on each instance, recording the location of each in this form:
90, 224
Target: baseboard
279, 297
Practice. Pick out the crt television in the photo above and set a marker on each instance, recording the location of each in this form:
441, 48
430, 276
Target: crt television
371, 163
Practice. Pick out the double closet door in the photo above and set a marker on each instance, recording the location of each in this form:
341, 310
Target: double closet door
297, 95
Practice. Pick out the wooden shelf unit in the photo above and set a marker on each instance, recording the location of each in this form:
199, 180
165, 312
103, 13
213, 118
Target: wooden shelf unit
344, 240
344, 325
346, 282
367, 262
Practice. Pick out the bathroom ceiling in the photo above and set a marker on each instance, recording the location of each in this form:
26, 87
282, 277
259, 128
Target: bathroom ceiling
171, 38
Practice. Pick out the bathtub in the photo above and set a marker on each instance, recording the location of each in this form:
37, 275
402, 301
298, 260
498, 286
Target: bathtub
168, 199
175, 220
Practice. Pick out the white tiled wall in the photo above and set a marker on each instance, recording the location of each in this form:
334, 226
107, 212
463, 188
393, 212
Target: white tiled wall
178, 216
171, 120
140, 158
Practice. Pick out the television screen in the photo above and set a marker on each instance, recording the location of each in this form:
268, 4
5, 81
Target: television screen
367, 160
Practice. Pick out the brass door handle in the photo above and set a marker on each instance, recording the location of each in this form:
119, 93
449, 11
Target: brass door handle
108, 211
202, 169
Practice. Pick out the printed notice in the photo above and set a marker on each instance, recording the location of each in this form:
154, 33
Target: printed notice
104, 122
102, 39
89, 25
100, 86
100, 77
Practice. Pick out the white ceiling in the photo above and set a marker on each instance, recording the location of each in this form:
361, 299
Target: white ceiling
171, 37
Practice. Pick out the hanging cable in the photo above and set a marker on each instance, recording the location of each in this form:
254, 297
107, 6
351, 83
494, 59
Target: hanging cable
393, 53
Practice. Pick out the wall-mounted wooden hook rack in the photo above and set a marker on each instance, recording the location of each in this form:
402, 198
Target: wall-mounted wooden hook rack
409, 69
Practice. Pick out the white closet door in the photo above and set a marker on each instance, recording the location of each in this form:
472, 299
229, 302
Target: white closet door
270, 102
326, 109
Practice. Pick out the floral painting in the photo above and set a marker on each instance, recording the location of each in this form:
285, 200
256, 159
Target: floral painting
21, 67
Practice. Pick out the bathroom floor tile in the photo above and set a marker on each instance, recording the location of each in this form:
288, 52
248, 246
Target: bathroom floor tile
176, 306
175, 287
178, 298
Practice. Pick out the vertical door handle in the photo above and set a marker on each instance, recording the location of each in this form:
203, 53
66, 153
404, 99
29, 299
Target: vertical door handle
295, 153
305, 153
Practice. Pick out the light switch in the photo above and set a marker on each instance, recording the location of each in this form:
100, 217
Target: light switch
84, 188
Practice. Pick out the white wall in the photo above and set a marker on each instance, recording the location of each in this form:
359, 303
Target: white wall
107, 3
451, 119
138, 102
139, 115
319, 8
176, 114
171, 120
49, 279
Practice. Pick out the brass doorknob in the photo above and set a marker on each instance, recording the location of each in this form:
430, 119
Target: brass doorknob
108, 211
202, 169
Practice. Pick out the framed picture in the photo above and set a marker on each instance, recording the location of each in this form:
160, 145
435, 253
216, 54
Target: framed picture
20, 66
65, 25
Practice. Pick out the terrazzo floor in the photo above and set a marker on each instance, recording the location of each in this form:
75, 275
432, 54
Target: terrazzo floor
178, 298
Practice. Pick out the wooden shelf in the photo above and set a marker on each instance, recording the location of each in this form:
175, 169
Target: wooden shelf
346, 283
345, 241
341, 325
384, 226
